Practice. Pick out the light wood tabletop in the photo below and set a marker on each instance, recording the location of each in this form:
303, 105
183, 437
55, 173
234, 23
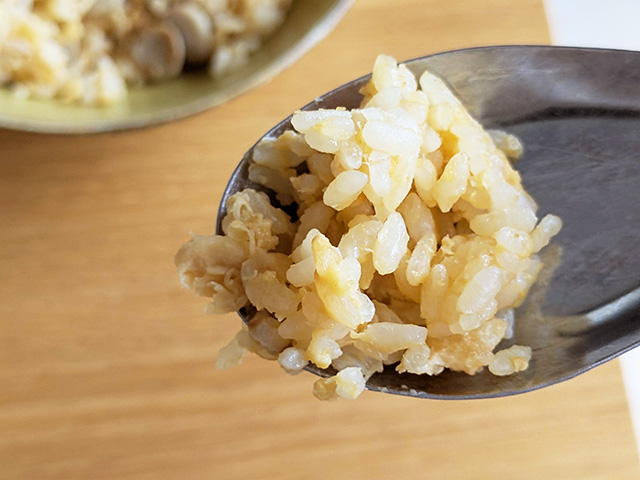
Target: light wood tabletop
107, 363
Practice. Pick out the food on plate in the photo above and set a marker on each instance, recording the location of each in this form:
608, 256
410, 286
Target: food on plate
410, 241
89, 51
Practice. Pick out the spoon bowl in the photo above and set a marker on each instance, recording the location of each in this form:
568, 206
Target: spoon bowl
577, 113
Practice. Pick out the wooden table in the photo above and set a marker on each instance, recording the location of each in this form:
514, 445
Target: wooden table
107, 364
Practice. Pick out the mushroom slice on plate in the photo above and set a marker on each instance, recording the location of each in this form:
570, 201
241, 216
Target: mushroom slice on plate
159, 52
196, 28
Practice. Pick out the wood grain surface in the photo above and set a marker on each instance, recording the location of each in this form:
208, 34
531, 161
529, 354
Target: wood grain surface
107, 364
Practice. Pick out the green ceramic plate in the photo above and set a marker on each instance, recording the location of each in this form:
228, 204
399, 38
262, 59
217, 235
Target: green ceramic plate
307, 23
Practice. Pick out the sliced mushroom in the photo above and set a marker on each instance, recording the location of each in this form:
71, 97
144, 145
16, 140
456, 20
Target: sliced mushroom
159, 51
197, 28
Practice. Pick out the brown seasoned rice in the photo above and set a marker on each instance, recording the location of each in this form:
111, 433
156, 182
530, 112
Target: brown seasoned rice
414, 241
84, 50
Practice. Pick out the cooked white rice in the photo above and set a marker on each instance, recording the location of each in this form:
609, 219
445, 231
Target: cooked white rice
85, 50
415, 240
